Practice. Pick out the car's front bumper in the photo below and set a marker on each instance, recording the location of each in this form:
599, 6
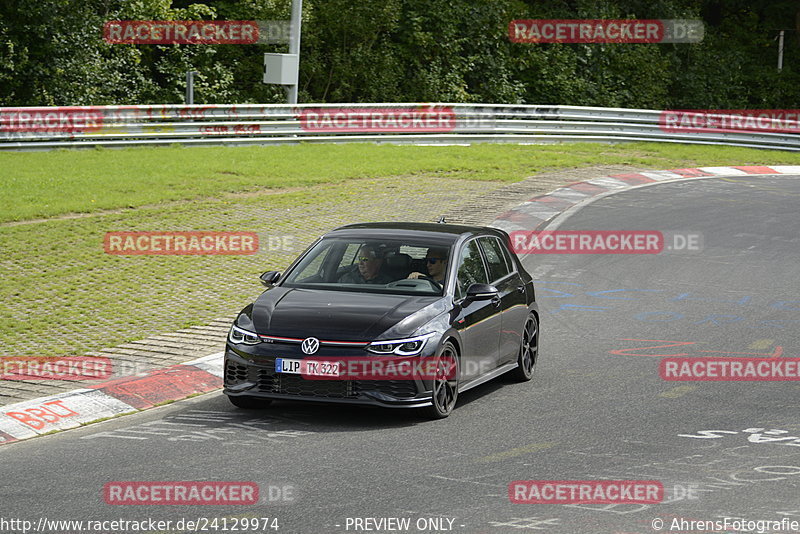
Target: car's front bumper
244, 377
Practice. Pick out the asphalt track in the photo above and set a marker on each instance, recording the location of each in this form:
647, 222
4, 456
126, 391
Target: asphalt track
596, 409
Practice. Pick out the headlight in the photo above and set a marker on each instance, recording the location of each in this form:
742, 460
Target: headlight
243, 337
401, 347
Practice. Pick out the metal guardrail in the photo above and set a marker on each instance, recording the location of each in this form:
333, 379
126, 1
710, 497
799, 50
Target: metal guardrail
414, 123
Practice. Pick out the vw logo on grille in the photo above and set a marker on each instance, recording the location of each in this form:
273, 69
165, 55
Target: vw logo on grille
310, 345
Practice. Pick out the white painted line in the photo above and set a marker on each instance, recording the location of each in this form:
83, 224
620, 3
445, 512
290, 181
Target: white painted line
565, 193
211, 363
62, 411
723, 171
786, 169
662, 175
72, 409
537, 209
97, 404
507, 226
608, 182
15, 428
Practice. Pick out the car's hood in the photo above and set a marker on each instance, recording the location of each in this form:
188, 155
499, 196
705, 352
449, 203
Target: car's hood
334, 315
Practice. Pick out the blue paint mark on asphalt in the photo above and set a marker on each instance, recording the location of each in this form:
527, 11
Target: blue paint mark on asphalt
709, 318
685, 296
577, 306
599, 293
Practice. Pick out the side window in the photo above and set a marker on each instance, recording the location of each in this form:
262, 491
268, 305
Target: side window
470, 269
349, 256
507, 255
495, 258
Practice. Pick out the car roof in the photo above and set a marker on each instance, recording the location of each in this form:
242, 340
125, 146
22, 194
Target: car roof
435, 231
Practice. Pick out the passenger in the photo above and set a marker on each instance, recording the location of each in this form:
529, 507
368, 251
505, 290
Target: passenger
369, 267
436, 263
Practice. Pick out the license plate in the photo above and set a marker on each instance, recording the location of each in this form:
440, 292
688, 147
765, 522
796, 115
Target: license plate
307, 367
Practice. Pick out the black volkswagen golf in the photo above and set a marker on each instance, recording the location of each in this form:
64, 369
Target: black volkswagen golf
389, 314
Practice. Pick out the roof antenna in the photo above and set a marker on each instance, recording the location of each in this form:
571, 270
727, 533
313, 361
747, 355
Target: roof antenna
441, 220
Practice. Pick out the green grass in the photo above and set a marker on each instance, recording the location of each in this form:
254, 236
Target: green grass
47, 184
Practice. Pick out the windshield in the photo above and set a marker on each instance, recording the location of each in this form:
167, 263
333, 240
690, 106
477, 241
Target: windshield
378, 266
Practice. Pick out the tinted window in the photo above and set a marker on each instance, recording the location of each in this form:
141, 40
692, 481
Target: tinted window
495, 258
470, 269
507, 255
349, 256
379, 265
311, 268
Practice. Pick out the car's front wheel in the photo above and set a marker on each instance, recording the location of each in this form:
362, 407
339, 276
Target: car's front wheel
249, 402
445, 383
528, 350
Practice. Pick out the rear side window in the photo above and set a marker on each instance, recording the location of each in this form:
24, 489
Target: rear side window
495, 259
470, 269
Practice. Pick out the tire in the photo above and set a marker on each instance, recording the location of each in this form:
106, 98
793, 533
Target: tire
445, 389
248, 402
528, 351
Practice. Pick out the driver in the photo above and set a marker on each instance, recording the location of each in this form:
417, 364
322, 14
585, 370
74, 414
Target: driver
369, 267
436, 263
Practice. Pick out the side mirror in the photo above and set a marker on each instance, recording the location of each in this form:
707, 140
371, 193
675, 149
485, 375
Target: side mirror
270, 277
477, 292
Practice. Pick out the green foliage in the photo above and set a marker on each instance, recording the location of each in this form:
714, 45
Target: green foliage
52, 53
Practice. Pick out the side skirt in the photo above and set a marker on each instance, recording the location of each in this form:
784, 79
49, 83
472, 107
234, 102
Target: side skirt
488, 376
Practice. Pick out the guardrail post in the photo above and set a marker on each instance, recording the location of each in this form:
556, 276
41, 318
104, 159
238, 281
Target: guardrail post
190, 86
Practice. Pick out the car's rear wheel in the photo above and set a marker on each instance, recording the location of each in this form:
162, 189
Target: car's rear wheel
248, 402
445, 383
528, 350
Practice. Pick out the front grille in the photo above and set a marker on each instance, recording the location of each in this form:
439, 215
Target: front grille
297, 385
235, 373
396, 388
268, 381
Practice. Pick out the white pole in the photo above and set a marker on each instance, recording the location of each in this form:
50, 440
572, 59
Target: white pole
294, 45
780, 50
